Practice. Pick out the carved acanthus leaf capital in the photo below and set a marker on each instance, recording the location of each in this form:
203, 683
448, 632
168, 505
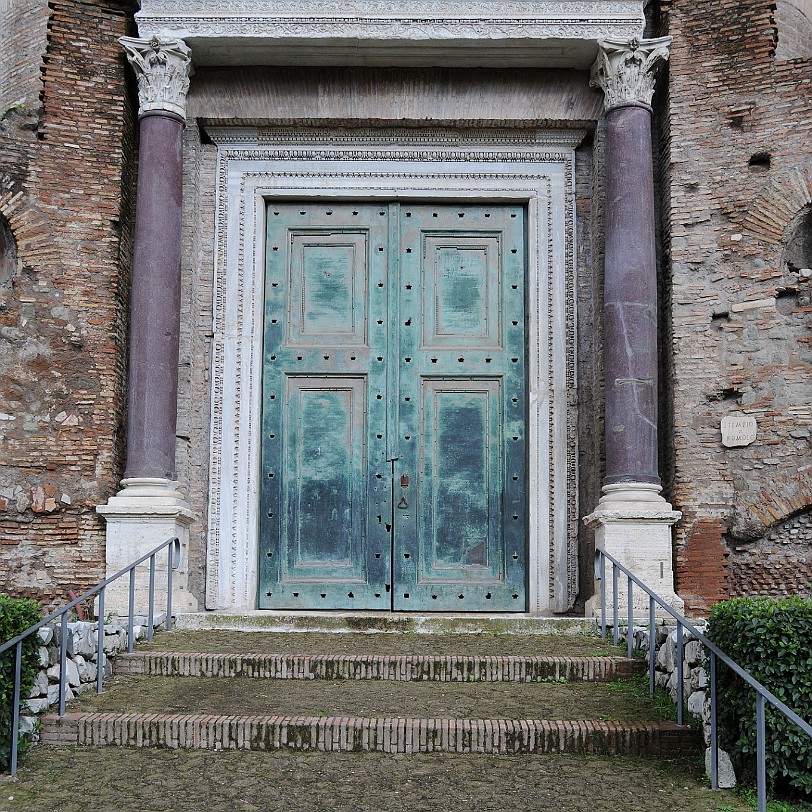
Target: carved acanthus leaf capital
163, 68
626, 69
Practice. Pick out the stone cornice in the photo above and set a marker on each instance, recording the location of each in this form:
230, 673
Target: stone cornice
626, 68
162, 67
323, 31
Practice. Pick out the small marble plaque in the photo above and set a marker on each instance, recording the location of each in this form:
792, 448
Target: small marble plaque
738, 429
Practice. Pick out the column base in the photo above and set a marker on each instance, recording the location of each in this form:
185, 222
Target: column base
633, 523
147, 512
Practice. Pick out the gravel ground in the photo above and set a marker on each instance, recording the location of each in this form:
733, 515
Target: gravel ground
77, 779
485, 700
219, 642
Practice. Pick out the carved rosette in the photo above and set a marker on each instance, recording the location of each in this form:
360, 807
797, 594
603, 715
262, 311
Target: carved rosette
163, 68
626, 69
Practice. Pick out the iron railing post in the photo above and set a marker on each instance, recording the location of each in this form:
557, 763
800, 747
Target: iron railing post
714, 732
603, 595
15, 714
652, 646
151, 613
131, 611
170, 566
629, 619
100, 643
63, 656
615, 574
680, 666
761, 754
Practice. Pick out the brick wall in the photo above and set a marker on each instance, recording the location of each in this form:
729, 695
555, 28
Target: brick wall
739, 175
65, 191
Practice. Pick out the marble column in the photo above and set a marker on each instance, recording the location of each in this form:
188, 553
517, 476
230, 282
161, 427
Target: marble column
151, 507
632, 521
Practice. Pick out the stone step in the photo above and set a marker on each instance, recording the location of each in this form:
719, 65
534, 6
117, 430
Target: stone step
402, 668
385, 622
357, 734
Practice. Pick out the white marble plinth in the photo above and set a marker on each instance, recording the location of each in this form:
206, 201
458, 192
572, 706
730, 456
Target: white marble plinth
633, 524
144, 514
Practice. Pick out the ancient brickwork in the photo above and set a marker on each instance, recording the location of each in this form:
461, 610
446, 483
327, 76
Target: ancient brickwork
23, 36
65, 193
740, 181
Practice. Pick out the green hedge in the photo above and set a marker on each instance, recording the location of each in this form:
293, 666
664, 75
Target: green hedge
15, 617
772, 639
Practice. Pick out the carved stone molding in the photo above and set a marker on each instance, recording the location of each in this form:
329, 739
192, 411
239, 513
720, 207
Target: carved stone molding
558, 33
162, 67
257, 165
626, 69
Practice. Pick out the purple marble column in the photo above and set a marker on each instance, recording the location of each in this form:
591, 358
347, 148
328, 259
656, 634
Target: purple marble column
162, 68
625, 71
630, 299
155, 300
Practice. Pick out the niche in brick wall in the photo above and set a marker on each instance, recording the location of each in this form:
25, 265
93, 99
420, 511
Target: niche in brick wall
8, 255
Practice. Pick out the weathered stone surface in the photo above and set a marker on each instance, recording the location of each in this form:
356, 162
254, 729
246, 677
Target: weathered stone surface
725, 772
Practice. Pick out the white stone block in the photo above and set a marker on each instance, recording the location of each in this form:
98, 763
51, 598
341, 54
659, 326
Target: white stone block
696, 703
139, 518
44, 659
726, 775
45, 635
37, 705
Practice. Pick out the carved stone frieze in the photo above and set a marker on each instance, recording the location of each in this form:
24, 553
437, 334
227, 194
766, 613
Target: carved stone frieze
421, 29
162, 67
626, 69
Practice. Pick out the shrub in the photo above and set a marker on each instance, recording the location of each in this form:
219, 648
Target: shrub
772, 639
15, 617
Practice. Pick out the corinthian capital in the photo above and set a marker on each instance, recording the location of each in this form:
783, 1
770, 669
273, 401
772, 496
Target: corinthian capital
626, 69
162, 68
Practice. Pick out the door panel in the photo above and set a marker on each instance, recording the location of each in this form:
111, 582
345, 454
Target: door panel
460, 518
325, 509
394, 361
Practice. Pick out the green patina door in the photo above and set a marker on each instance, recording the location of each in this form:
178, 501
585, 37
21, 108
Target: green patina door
394, 408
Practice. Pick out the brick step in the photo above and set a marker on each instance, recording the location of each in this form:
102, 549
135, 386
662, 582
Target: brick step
357, 734
401, 668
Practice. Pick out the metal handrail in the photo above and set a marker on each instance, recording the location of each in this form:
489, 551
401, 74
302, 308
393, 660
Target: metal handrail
716, 653
173, 562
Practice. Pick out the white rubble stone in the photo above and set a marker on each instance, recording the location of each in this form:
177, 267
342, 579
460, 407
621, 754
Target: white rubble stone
696, 703
87, 670
725, 773
53, 694
699, 679
53, 673
694, 652
37, 705
27, 723
40, 686
84, 687
45, 635
44, 659
72, 673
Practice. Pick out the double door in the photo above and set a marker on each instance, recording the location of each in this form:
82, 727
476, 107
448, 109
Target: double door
394, 409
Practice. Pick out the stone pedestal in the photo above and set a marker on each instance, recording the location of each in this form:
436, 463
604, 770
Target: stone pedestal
633, 523
147, 512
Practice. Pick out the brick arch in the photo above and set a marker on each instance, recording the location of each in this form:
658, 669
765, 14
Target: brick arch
771, 504
35, 245
777, 206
